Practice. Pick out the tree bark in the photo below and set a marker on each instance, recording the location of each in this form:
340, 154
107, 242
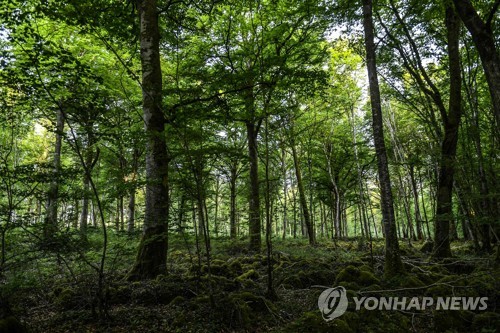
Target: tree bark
50, 225
393, 264
484, 40
131, 212
444, 211
285, 190
152, 253
254, 197
418, 216
232, 209
86, 196
302, 197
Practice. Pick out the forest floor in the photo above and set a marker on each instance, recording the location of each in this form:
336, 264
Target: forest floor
55, 291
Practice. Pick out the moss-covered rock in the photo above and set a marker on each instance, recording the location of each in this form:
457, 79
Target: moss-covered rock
248, 275
445, 321
445, 286
235, 267
154, 292
177, 301
352, 274
486, 322
66, 298
119, 294
244, 309
406, 281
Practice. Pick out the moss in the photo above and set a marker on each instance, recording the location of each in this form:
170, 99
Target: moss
367, 278
426, 276
65, 298
486, 321
161, 277
444, 285
483, 285
180, 320
427, 247
455, 266
153, 292
451, 320
177, 300
365, 268
406, 281
217, 267
382, 321
292, 281
352, 274
244, 309
11, 325
309, 278
119, 295
347, 274
351, 319
248, 275
350, 286
313, 322
235, 267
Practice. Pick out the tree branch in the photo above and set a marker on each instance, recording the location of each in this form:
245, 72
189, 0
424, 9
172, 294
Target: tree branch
491, 15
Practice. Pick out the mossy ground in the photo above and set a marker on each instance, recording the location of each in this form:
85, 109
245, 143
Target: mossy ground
58, 294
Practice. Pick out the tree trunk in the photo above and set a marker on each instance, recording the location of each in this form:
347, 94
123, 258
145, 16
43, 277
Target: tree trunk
131, 202
302, 196
254, 197
285, 189
84, 217
216, 213
393, 264
418, 216
131, 212
484, 40
50, 225
444, 212
232, 209
270, 293
152, 253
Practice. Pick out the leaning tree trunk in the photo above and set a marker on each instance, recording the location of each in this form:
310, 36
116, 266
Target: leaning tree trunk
302, 196
444, 212
484, 40
50, 225
152, 253
393, 264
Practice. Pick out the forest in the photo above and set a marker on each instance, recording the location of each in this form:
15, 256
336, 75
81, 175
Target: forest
225, 165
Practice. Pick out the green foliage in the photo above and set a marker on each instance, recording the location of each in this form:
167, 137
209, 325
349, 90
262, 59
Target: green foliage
225, 64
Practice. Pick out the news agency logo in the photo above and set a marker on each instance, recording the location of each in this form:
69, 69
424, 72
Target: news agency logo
333, 303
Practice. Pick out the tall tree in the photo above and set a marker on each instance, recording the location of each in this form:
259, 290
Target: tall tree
302, 195
152, 253
50, 225
393, 264
444, 211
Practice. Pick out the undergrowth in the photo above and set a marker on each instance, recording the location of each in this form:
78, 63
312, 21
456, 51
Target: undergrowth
54, 289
